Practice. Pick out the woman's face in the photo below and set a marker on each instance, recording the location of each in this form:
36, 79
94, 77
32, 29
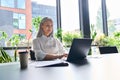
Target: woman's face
47, 27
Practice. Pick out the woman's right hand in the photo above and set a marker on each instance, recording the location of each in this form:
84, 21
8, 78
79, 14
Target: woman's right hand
55, 56
62, 55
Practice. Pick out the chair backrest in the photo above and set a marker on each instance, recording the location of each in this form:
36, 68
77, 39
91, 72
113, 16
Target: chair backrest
108, 49
32, 55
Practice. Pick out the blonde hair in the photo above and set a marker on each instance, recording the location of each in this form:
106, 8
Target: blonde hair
40, 31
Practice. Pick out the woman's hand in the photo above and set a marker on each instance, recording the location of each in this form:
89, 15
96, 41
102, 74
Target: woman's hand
65, 55
62, 55
55, 56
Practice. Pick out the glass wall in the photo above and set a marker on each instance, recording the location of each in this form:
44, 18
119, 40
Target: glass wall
95, 12
70, 15
113, 16
21, 4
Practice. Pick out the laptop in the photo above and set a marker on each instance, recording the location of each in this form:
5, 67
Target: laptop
79, 49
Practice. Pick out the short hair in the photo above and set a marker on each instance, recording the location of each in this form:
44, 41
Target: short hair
40, 31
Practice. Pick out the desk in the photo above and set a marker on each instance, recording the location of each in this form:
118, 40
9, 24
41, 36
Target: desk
106, 67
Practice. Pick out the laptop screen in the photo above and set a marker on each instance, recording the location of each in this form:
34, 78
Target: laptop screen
79, 49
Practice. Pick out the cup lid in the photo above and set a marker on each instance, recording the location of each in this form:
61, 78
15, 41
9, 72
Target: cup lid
23, 52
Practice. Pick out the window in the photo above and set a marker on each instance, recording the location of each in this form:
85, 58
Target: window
70, 15
19, 21
95, 12
15, 20
13, 3
21, 4
113, 16
22, 36
22, 21
8, 3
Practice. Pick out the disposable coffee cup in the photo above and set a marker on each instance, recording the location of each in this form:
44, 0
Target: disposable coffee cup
23, 56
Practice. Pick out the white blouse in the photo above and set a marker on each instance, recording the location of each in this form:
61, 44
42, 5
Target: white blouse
47, 45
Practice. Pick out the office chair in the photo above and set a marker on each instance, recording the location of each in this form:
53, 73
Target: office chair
32, 55
108, 49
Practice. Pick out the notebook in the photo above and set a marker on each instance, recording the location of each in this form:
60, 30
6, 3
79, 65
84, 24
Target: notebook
79, 49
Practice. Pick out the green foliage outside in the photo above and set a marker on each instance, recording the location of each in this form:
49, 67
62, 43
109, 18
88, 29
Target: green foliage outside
36, 22
4, 57
3, 35
58, 34
68, 37
113, 40
93, 32
14, 41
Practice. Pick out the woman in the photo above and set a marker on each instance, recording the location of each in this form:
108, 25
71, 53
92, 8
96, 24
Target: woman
46, 47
